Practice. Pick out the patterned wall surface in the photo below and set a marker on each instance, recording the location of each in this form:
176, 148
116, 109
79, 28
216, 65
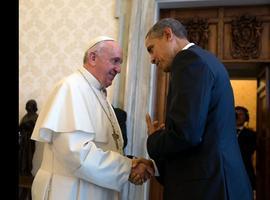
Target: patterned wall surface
245, 94
53, 35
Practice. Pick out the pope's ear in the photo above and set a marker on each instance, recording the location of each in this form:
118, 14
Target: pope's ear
167, 32
92, 58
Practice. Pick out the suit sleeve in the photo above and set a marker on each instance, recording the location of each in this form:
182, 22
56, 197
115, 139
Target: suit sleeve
79, 154
187, 107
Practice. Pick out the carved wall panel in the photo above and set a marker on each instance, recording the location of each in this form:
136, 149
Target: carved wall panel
246, 34
246, 37
202, 26
198, 31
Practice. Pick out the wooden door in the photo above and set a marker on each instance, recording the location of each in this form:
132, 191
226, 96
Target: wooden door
263, 136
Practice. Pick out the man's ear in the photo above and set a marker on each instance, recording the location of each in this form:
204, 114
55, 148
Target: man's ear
167, 32
92, 58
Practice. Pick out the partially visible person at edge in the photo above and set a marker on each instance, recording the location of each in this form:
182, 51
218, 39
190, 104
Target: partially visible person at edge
247, 142
26, 145
196, 150
83, 156
121, 116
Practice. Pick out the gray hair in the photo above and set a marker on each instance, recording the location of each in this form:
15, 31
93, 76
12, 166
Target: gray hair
177, 28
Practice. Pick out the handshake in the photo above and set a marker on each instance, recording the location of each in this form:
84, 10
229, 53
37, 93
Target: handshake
141, 170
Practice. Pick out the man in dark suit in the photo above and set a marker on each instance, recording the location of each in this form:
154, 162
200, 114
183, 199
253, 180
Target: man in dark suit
247, 141
121, 116
197, 153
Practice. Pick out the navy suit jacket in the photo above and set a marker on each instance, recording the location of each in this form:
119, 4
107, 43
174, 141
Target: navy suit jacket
197, 154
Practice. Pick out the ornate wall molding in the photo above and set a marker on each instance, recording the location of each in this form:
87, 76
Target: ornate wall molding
246, 37
197, 30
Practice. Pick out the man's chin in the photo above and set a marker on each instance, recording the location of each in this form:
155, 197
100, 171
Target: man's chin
164, 68
108, 84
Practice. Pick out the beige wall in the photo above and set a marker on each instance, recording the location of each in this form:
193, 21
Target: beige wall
53, 35
245, 95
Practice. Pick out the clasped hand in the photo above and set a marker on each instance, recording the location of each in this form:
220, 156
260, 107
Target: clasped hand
141, 170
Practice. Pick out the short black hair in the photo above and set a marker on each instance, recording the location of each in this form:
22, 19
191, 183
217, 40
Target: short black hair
177, 28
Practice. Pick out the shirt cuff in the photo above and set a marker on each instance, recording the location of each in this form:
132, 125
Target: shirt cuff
155, 167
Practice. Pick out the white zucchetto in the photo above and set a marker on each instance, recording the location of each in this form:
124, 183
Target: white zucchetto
98, 39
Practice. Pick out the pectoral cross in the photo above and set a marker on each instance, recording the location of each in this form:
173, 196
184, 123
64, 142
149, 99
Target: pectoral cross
116, 137
115, 133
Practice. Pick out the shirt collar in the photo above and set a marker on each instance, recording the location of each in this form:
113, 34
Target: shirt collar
188, 45
90, 78
240, 127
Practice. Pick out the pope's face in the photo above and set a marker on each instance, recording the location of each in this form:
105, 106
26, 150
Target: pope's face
161, 52
108, 63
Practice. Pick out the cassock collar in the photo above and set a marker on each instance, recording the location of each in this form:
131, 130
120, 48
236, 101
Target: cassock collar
90, 78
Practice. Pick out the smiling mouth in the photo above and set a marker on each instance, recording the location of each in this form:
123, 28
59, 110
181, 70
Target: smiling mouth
112, 75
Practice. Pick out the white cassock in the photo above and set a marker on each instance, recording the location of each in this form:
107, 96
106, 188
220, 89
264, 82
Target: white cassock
80, 159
